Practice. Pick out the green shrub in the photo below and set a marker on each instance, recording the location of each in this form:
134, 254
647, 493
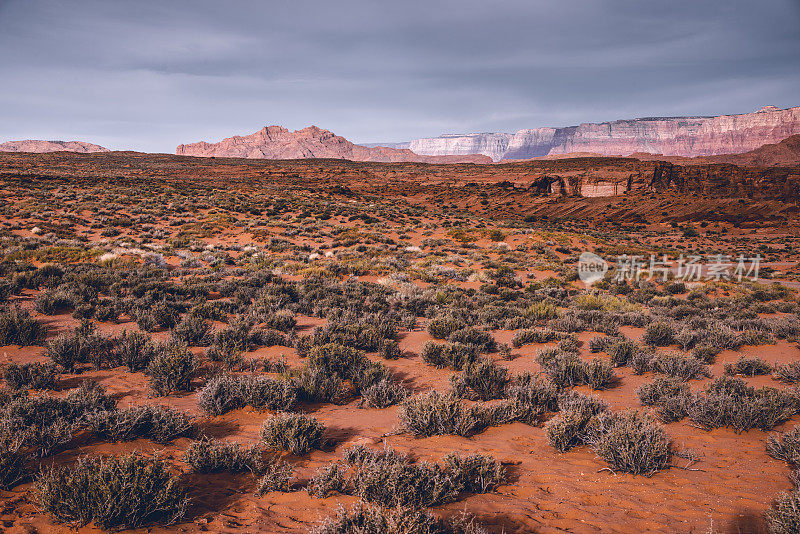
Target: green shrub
532, 398
119, 492
297, 433
172, 368
789, 372
622, 351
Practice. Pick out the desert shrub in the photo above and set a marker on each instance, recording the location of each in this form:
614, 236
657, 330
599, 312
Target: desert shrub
365, 334
83, 345
622, 350
748, 367
281, 320
785, 446
659, 334
474, 473
677, 365
193, 331
318, 385
484, 378
441, 327
118, 492
13, 465
30, 375
661, 388
17, 327
367, 519
630, 442
154, 422
223, 393
134, 350
568, 429
706, 353
784, 516
722, 337
297, 433
532, 398
789, 372
172, 368
327, 481
640, 363
160, 314
541, 311
453, 355
54, 301
433, 413
472, 336
675, 288
348, 364
731, 402
210, 456
565, 369
384, 394
600, 374
277, 477
389, 349
541, 335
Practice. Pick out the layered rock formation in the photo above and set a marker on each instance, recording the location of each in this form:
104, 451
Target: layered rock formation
670, 136
275, 142
38, 146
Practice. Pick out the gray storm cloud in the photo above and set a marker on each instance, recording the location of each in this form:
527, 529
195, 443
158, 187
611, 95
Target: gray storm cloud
149, 75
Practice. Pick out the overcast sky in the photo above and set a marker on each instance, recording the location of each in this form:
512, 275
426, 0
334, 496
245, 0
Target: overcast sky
150, 74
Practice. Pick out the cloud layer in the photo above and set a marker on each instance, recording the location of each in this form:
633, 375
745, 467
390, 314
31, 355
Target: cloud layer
147, 76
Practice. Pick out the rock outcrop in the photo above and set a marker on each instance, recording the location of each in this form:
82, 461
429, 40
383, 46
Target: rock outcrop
275, 142
669, 136
38, 146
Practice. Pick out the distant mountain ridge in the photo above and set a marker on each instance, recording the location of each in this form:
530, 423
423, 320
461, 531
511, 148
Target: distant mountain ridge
276, 142
671, 136
39, 146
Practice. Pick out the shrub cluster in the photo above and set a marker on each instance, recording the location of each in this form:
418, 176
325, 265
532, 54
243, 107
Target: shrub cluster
296, 433
223, 393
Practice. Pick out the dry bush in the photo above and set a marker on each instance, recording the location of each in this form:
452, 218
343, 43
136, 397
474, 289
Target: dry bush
784, 516
731, 402
119, 492
297, 433
223, 393
17, 327
384, 394
158, 423
539, 335
785, 446
659, 334
453, 355
532, 397
277, 477
600, 374
434, 413
30, 375
327, 481
677, 365
748, 367
134, 350
441, 327
172, 368
484, 379
367, 519
630, 442
568, 429
211, 456
789, 372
